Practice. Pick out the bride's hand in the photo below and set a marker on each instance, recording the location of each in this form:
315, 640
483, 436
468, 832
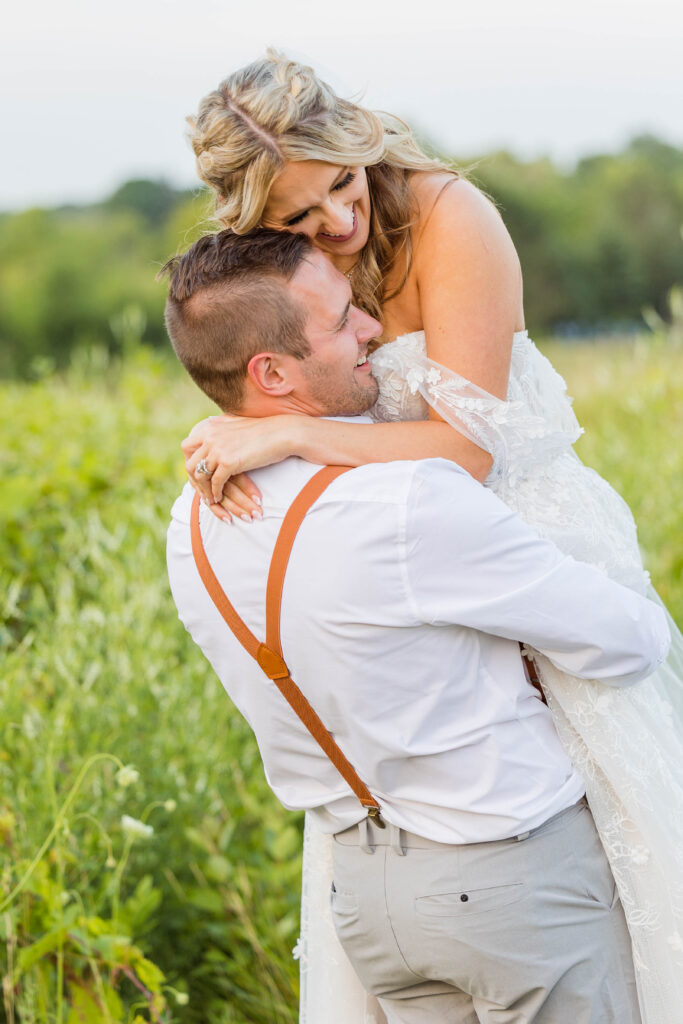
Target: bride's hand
231, 445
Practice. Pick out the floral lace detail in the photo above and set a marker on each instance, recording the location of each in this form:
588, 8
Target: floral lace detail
530, 436
518, 432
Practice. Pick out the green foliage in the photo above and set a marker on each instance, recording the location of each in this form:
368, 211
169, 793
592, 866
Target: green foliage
196, 921
629, 399
67, 277
148, 873
597, 245
155, 201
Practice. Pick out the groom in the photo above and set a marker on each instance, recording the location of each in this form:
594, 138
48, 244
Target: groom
487, 896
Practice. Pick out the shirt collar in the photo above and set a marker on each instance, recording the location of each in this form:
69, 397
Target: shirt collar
349, 419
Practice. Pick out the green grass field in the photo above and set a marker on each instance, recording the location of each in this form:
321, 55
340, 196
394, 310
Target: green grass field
188, 912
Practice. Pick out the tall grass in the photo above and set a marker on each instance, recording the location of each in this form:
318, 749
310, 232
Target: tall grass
629, 398
148, 872
95, 661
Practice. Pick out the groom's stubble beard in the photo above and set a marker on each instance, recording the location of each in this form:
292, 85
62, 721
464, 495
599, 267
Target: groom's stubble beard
335, 394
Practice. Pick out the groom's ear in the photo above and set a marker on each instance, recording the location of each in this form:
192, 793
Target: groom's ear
270, 372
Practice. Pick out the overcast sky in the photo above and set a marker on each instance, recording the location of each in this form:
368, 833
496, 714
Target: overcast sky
94, 94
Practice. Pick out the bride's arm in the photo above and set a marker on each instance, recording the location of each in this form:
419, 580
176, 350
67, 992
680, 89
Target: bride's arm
469, 281
235, 445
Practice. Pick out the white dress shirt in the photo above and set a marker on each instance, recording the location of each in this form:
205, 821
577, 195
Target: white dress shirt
408, 589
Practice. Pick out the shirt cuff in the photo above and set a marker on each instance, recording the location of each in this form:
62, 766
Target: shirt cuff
663, 641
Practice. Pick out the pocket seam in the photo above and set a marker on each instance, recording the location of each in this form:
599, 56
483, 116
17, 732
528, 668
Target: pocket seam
456, 908
340, 901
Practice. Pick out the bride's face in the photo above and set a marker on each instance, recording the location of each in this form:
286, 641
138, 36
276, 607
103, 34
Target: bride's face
329, 203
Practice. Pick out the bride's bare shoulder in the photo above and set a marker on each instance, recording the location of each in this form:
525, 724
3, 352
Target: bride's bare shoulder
452, 196
458, 223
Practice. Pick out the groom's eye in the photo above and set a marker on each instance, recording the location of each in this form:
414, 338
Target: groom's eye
341, 324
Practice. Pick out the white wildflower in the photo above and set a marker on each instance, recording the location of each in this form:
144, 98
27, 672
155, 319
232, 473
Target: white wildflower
135, 829
30, 724
127, 775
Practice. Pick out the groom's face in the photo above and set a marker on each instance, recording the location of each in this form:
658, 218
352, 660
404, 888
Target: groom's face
335, 380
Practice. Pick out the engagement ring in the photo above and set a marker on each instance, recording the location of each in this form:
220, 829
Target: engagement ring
203, 468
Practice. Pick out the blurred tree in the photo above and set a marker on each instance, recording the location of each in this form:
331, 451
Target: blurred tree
597, 245
153, 200
63, 278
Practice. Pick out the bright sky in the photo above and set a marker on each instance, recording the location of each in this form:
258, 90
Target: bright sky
93, 94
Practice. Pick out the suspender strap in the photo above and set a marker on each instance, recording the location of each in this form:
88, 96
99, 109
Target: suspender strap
283, 547
269, 654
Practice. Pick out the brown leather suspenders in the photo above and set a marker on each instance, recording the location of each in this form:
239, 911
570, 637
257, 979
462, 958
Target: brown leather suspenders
269, 654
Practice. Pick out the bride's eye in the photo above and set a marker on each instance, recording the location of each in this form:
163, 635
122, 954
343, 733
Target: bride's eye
346, 180
295, 220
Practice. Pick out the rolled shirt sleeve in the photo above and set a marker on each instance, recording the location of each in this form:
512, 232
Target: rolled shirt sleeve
471, 561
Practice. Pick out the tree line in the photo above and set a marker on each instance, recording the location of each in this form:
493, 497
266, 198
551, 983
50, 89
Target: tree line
598, 243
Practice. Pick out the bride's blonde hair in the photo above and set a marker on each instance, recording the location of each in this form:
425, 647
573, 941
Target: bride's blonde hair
275, 111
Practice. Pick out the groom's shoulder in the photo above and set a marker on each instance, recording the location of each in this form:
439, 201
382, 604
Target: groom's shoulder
397, 483
389, 483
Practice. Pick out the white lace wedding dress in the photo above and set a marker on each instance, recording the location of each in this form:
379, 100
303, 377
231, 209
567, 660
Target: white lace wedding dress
627, 744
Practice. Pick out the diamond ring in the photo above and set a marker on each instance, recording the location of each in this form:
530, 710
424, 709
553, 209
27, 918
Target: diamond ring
203, 468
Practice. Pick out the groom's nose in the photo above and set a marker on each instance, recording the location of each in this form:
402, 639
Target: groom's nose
367, 328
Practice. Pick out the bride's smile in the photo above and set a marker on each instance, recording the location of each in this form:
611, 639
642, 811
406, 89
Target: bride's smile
327, 202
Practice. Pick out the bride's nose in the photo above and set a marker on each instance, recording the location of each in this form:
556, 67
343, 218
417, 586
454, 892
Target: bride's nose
337, 218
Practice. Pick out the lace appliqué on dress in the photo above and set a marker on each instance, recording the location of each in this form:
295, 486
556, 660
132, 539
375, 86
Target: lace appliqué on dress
530, 437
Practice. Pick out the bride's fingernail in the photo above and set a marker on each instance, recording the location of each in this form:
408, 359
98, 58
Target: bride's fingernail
257, 514
226, 519
245, 518
255, 498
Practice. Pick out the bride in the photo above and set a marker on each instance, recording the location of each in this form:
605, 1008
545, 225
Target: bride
428, 255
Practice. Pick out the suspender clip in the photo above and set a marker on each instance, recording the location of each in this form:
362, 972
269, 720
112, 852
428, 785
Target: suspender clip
375, 815
271, 663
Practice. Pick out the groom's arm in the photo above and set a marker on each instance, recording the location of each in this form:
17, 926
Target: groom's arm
472, 562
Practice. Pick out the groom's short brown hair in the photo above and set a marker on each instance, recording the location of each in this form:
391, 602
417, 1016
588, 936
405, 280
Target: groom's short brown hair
228, 301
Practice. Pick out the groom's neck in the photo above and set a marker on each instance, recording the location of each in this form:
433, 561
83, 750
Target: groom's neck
258, 407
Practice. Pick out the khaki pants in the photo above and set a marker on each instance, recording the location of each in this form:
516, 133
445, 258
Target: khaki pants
512, 932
